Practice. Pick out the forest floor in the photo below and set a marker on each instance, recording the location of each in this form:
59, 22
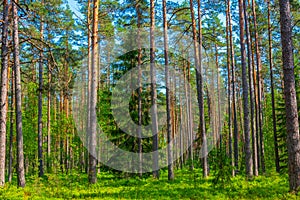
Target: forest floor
187, 185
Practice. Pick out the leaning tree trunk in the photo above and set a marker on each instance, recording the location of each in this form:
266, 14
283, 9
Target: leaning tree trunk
292, 123
153, 93
248, 155
20, 153
168, 100
3, 107
93, 98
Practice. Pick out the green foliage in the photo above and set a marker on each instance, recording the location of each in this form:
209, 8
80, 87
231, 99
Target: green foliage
185, 186
223, 170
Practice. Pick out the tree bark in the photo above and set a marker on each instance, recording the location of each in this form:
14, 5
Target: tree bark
93, 97
49, 119
153, 91
40, 106
292, 123
140, 148
235, 125
272, 90
3, 107
253, 161
168, 98
89, 64
259, 65
228, 43
248, 155
20, 153
198, 58
11, 131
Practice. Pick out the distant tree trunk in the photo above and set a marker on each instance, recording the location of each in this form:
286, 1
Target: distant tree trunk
235, 125
259, 65
292, 123
272, 90
256, 109
3, 107
218, 119
40, 106
140, 147
93, 98
168, 100
153, 93
49, 119
20, 153
248, 154
11, 131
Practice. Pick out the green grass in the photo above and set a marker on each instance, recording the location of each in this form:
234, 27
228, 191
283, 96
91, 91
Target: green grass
187, 185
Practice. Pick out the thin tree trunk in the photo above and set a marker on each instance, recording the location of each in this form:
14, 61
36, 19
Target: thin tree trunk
235, 126
219, 125
140, 148
248, 155
4, 77
229, 46
20, 153
89, 64
292, 123
11, 131
93, 100
272, 90
154, 92
258, 64
168, 96
49, 119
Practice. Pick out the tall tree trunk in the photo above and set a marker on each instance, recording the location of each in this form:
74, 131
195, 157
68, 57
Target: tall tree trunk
235, 125
89, 64
168, 96
3, 107
153, 93
248, 154
229, 46
249, 52
197, 58
272, 90
140, 148
199, 79
40, 105
93, 97
20, 153
259, 65
292, 123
